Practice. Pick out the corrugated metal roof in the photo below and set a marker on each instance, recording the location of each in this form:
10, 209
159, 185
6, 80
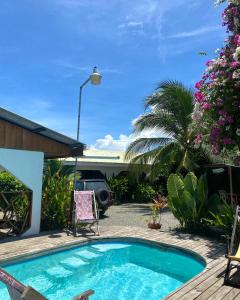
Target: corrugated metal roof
38, 129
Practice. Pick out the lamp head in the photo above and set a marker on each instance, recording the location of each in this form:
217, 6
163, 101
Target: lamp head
95, 77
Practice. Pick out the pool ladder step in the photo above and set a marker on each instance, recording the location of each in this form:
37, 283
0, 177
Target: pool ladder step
73, 262
58, 272
87, 254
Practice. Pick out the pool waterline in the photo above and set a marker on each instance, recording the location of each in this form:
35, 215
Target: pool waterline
128, 258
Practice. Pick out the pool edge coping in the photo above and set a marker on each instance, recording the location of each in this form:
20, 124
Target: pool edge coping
73, 244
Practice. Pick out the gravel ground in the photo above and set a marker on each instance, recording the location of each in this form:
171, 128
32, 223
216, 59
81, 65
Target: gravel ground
136, 214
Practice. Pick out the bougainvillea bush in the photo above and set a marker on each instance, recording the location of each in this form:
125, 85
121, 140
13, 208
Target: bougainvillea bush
217, 96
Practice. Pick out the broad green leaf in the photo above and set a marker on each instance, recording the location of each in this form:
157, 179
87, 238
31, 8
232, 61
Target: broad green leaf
214, 204
188, 201
190, 182
201, 192
175, 186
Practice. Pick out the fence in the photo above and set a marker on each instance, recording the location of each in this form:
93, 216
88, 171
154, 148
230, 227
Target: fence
15, 212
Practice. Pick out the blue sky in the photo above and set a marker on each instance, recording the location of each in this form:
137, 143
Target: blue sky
48, 48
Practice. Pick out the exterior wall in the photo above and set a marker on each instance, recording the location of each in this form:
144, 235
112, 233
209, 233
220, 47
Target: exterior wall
108, 162
108, 170
27, 166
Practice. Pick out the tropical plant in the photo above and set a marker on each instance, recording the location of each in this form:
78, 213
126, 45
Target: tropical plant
144, 193
224, 219
55, 167
120, 187
159, 202
56, 196
188, 199
168, 112
217, 97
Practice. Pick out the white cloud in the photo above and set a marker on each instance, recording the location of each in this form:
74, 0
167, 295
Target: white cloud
72, 69
131, 24
109, 143
195, 32
121, 143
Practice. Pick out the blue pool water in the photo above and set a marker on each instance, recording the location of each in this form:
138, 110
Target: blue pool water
115, 270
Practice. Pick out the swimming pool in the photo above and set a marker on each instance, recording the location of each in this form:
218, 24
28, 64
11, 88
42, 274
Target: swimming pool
114, 269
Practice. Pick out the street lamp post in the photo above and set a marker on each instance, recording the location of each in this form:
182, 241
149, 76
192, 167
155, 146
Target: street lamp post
95, 79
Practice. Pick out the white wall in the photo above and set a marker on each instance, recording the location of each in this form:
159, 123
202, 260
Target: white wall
109, 171
27, 166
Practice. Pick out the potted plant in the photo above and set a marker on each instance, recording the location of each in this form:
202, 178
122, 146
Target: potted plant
159, 202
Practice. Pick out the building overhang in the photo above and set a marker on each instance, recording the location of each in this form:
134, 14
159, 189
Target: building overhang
20, 133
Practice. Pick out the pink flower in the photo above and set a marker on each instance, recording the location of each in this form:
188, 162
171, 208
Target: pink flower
215, 149
237, 39
209, 63
230, 119
204, 77
206, 105
227, 141
215, 132
213, 76
222, 112
199, 97
221, 122
198, 138
234, 64
219, 102
198, 85
221, 62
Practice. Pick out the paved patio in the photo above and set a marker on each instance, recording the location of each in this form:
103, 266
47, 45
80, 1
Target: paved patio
137, 215
206, 286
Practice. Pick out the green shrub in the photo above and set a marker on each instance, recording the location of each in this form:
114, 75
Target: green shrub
120, 187
144, 193
8, 183
188, 200
224, 219
56, 199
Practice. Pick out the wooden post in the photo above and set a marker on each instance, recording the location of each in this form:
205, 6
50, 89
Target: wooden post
231, 186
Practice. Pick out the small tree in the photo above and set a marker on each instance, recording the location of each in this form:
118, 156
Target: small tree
56, 196
169, 109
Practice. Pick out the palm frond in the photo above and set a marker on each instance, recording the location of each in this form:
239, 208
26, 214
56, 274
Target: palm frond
143, 145
167, 154
159, 121
142, 163
168, 109
174, 98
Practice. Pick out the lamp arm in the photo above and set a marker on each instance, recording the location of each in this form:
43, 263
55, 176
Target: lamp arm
84, 83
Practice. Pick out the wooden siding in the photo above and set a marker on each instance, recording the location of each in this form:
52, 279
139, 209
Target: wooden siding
16, 137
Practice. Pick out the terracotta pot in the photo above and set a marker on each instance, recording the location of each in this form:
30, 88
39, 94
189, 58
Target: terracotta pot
154, 225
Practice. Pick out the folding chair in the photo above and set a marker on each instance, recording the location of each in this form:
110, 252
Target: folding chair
85, 210
18, 291
231, 256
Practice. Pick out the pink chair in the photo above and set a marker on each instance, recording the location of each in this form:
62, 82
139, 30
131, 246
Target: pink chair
18, 291
85, 210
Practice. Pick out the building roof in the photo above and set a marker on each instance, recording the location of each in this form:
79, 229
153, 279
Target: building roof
101, 157
61, 145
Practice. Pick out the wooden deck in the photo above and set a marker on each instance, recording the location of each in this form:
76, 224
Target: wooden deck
206, 286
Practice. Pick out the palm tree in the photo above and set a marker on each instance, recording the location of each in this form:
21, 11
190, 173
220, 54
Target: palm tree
169, 110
